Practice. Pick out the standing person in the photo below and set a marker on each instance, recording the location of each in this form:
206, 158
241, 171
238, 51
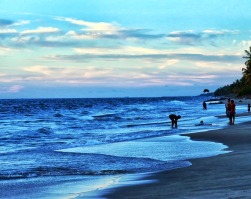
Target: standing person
174, 118
228, 107
249, 107
232, 112
204, 105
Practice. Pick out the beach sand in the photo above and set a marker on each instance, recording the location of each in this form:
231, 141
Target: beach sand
225, 176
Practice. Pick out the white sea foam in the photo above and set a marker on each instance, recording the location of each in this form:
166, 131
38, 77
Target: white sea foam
167, 148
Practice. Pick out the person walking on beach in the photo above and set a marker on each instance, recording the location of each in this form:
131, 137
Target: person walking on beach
232, 112
228, 107
204, 105
174, 118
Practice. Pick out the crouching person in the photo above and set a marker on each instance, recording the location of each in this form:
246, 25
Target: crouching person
174, 119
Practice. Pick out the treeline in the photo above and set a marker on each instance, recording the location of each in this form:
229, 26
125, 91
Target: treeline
238, 88
241, 87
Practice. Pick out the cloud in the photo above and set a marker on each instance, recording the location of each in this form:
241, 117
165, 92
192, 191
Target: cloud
96, 30
193, 77
168, 63
5, 51
184, 37
191, 37
125, 50
119, 76
87, 76
246, 43
8, 23
15, 89
90, 34
20, 23
7, 31
184, 56
41, 30
45, 70
68, 74
216, 33
11, 89
97, 27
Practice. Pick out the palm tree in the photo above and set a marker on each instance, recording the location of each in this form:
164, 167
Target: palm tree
247, 71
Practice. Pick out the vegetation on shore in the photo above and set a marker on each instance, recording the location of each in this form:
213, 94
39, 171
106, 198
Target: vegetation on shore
241, 87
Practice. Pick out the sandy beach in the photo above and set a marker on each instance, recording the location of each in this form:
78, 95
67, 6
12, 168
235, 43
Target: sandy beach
223, 176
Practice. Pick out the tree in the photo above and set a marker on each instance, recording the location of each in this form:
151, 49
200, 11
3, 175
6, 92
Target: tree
240, 87
247, 71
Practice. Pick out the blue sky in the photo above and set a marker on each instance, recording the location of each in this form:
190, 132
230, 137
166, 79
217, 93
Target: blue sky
117, 48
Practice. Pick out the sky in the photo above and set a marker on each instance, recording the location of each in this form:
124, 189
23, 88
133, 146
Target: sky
117, 48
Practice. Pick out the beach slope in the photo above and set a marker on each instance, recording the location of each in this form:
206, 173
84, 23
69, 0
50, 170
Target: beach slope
223, 176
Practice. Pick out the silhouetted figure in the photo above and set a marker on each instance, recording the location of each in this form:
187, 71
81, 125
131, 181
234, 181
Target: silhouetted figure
202, 123
228, 107
249, 107
232, 112
204, 105
174, 118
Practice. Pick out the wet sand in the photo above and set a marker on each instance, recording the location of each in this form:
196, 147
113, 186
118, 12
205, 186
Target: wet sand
225, 176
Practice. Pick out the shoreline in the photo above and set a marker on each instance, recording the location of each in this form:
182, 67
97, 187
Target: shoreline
222, 176
161, 184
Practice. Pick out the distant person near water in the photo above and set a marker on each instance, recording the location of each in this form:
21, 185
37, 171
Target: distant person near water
232, 112
228, 107
249, 107
204, 105
202, 123
174, 118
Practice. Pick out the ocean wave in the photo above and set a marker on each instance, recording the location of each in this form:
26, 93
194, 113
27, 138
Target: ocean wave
58, 115
176, 103
146, 124
45, 131
93, 142
25, 136
134, 135
107, 116
58, 171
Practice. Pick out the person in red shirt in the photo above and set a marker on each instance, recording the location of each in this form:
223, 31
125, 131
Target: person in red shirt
228, 107
232, 112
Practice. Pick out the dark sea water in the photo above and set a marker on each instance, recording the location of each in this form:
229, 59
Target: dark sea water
101, 139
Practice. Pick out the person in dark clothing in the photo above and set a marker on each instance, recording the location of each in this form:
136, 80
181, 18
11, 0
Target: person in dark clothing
228, 107
174, 118
232, 112
204, 105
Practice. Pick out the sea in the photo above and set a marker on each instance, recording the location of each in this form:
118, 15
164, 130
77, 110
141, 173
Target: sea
82, 146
